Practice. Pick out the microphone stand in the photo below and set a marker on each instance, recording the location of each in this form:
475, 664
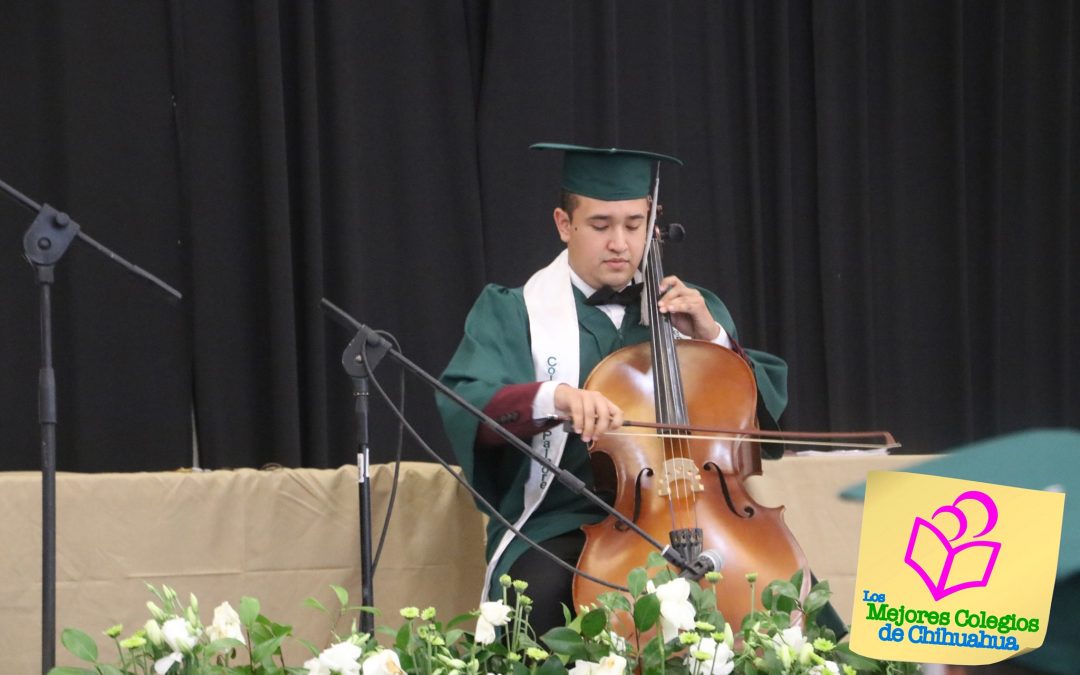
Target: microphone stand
44, 244
352, 359
367, 337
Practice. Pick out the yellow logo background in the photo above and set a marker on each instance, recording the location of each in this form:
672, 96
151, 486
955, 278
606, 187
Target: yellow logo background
1021, 582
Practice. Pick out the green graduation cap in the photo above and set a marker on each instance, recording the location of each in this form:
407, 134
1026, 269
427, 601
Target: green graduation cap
1038, 459
609, 174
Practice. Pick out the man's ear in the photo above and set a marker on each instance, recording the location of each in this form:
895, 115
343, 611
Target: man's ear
562, 223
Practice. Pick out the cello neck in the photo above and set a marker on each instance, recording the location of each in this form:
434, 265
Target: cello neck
670, 399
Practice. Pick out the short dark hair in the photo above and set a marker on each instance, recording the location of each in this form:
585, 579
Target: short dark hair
568, 201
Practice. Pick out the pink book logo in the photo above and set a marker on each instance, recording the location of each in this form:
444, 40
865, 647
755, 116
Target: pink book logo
974, 554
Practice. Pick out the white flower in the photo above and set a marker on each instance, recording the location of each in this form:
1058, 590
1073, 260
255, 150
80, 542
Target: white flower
612, 664
162, 665
720, 659
179, 635
492, 614
792, 637
226, 624
485, 632
496, 613
827, 668
383, 662
617, 642
791, 645
676, 610
583, 668
339, 658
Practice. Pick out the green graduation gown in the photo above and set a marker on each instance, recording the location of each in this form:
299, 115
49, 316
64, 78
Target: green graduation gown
495, 352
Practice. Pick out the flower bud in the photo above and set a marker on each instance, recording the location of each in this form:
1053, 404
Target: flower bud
153, 633
155, 611
169, 593
704, 626
410, 612
193, 602
536, 654
191, 617
132, 643
713, 577
520, 586
113, 631
823, 645
428, 614
751, 577
505, 581
689, 638
513, 656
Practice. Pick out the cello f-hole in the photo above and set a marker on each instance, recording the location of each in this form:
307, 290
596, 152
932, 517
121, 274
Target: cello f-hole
622, 527
746, 511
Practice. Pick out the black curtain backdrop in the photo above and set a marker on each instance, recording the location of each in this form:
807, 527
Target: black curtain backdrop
884, 193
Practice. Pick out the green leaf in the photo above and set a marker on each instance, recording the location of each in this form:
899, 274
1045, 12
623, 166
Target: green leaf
342, 594
593, 623
312, 602
815, 601
856, 661
222, 645
637, 581
460, 618
616, 602
796, 579
310, 646
248, 611
767, 598
401, 641
106, 669
565, 641
651, 657
785, 589
655, 560
268, 648
69, 670
646, 612
553, 666
453, 636
519, 669
80, 644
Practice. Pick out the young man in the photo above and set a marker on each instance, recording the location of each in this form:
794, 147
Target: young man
527, 351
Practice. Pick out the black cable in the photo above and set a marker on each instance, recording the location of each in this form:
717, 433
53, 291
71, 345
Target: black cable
397, 456
476, 495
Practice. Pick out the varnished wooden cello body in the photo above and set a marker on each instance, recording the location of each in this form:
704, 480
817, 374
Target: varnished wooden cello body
689, 491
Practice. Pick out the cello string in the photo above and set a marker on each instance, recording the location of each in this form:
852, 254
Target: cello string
669, 390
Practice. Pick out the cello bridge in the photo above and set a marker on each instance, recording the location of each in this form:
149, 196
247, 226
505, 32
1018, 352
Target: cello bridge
680, 469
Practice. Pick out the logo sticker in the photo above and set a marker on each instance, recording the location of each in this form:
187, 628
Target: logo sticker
953, 571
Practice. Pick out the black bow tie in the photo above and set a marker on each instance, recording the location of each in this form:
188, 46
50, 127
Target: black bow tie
609, 296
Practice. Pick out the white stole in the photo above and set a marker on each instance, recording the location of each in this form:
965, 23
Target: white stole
555, 342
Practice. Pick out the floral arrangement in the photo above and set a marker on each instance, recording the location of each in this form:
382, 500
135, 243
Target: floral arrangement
684, 634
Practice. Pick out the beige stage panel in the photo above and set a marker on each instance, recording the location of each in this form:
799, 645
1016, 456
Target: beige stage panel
284, 535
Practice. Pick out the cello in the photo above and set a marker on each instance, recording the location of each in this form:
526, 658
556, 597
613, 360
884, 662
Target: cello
685, 487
